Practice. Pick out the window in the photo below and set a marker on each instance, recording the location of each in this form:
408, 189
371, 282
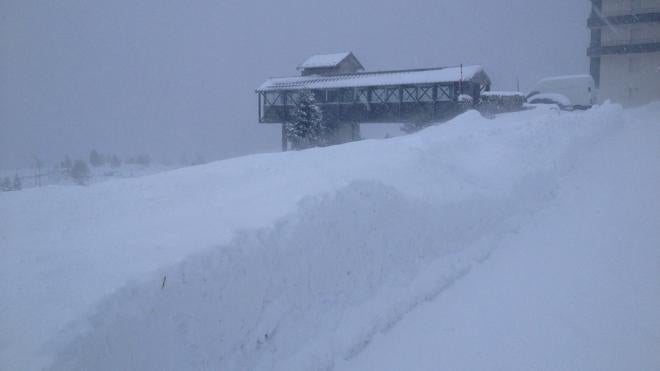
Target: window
410, 94
273, 99
319, 95
347, 95
425, 94
444, 93
393, 95
333, 96
292, 98
418, 94
636, 35
635, 4
363, 96
634, 64
378, 95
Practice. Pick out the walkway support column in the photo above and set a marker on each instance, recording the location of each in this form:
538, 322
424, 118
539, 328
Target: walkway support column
285, 142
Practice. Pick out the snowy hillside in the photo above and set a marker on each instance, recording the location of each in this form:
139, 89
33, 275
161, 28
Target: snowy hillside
530, 241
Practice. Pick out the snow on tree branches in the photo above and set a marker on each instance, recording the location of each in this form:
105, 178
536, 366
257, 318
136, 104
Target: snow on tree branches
307, 129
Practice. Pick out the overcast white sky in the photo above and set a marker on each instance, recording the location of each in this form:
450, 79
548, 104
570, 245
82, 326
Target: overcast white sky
178, 77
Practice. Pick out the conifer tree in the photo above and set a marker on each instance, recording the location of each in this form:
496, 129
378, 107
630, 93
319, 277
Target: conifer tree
5, 185
66, 164
80, 172
115, 162
17, 185
307, 128
95, 159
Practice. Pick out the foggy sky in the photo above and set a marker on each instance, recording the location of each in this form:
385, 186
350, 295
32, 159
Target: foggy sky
175, 78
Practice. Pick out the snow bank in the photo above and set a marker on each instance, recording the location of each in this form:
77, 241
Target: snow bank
576, 286
283, 261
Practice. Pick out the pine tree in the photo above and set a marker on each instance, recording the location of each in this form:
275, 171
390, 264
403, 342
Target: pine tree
143, 159
80, 172
66, 164
115, 162
5, 185
95, 159
307, 128
17, 185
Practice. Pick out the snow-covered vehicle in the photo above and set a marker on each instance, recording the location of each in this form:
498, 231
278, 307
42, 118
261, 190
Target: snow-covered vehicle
550, 98
494, 102
568, 92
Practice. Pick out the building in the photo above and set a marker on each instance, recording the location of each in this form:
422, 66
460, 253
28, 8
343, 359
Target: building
625, 50
350, 96
331, 64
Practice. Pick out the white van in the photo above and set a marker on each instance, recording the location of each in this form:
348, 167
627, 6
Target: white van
569, 92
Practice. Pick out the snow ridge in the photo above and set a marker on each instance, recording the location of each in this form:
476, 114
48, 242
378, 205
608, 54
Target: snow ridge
317, 286
279, 261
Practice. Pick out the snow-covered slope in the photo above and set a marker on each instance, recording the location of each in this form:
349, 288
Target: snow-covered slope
576, 287
284, 261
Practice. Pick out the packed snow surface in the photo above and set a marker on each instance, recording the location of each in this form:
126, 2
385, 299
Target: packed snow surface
574, 287
529, 241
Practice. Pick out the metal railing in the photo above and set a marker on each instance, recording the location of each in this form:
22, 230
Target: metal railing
628, 41
625, 8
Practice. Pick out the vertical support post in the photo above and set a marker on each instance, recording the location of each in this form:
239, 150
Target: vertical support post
285, 142
594, 68
356, 132
400, 91
436, 97
460, 82
596, 41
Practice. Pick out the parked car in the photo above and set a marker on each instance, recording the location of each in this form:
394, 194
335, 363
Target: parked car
568, 92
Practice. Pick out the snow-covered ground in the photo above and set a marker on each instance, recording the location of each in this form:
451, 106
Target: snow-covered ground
530, 241
55, 175
575, 287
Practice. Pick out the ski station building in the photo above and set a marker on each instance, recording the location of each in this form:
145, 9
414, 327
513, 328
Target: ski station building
349, 96
625, 50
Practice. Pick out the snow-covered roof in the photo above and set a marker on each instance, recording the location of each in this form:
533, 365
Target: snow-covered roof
582, 77
367, 79
502, 94
324, 60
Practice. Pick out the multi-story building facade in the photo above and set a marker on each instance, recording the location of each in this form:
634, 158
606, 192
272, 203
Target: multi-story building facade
625, 50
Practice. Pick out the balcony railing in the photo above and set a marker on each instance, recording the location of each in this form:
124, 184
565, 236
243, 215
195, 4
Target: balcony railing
617, 42
617, 12
596, 21
626, 47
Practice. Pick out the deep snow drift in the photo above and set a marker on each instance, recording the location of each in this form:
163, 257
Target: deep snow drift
300, 260
576, 287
